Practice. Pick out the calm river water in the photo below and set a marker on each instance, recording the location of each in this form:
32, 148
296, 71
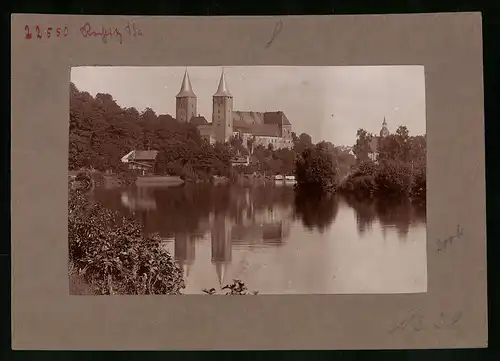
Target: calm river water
278, 242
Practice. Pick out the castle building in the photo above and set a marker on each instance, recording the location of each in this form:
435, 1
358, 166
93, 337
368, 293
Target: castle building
185, 102
253, 128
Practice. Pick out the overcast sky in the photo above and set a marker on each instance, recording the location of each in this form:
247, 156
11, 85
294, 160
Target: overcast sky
328, 102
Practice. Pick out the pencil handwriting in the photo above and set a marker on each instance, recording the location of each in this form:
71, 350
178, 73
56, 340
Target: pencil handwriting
417, 322
442, 244
277, 29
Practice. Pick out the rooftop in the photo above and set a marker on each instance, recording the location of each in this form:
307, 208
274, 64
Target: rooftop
143, 155
186, 88
199, 120
222, 90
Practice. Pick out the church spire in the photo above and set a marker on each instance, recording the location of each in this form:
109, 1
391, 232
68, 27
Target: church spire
222, 90
186, 88
384, 132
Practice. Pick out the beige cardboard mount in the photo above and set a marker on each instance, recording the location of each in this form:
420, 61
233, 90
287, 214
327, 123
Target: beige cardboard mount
453, 313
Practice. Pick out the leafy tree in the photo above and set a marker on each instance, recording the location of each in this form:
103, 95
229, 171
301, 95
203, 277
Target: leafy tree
362, 147
396, 146
316, 168
418, 150
301, 142
101, 133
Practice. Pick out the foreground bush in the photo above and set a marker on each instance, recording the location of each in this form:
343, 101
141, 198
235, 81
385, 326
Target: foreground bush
113, 257
237, 288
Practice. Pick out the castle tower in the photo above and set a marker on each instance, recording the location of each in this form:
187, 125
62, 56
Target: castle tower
384, 132
222, 113
185, 105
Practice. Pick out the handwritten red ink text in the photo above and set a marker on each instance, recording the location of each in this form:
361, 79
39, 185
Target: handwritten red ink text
104, 33
46, 33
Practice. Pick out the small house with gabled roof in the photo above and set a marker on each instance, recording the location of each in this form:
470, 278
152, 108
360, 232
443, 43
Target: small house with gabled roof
141, 160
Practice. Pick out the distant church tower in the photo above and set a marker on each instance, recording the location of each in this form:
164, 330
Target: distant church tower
384, 132
222, 113
185, 105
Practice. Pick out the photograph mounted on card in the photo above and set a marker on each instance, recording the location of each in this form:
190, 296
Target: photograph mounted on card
264, 200
176, 158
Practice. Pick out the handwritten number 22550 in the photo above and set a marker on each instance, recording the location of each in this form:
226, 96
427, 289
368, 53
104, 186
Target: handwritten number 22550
39, 33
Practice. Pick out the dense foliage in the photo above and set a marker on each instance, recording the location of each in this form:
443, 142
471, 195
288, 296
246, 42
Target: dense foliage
399, 170
101, 132
316, 168
111, 254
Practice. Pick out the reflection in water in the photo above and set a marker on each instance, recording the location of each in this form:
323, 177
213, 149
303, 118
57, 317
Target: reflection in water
280, 241
184, 250
138, 199
316, 211
221, 244
389, 213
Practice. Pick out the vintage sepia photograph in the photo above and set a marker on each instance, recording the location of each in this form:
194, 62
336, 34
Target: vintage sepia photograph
247, 180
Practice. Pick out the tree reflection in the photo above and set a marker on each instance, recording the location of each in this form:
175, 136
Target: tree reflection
256, 215
365, 211
396, 213
316, 210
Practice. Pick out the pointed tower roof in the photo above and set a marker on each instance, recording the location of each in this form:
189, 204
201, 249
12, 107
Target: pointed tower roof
384, 131
222, 90
186, 88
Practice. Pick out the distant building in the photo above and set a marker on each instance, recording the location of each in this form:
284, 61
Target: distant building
141, 160
373, 151
253, 128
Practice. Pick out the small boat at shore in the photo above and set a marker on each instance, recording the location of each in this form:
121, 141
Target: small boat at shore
288, 179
